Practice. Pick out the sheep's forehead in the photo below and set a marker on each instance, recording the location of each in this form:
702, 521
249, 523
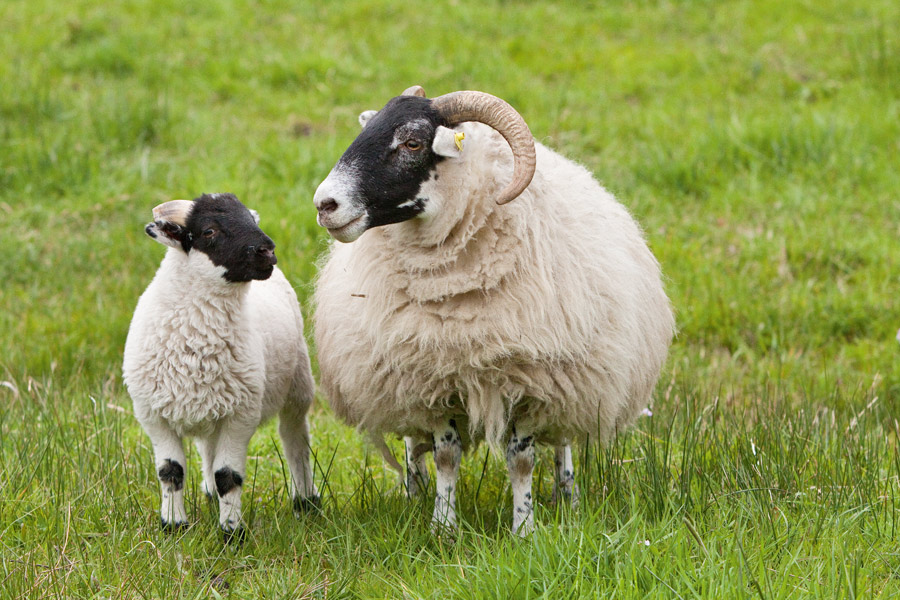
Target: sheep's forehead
400, 117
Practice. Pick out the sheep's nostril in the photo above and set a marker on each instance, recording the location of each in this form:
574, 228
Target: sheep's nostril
327, 206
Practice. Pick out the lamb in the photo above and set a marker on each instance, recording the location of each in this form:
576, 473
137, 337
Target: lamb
454, 316
215, 348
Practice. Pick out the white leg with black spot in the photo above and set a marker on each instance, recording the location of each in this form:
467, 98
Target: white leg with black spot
229, 466
170, 470
447, 457
520, 464
416, 467
564, 488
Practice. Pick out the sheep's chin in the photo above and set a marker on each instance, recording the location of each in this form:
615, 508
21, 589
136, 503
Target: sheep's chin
351, 231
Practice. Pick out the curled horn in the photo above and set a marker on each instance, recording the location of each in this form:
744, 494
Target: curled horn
457, 107
173, 211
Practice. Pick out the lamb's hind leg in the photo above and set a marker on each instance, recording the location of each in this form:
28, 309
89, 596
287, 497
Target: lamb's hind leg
206, 447
416, 469
564, 487
294, 431
520, 463
447, 456
169, 459
229, 465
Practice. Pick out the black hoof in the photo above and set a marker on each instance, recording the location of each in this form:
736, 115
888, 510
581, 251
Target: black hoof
310, 504
234, 536
173, 527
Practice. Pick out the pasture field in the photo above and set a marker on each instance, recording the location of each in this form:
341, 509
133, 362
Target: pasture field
756, 141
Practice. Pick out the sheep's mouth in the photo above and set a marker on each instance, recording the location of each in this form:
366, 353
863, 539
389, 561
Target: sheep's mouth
349, 231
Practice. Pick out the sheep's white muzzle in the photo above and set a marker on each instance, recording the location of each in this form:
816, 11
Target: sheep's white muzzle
343, 217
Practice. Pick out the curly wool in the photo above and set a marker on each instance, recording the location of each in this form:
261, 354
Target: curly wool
548, 311
195, 358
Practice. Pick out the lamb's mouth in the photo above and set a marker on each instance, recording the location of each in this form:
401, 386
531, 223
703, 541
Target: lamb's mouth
349, 231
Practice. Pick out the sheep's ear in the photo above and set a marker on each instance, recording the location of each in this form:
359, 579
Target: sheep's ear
255, 215
447, 142
169, 234
365, 115
169, 224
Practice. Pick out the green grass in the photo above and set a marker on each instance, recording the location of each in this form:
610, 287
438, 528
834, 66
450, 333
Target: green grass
756, 142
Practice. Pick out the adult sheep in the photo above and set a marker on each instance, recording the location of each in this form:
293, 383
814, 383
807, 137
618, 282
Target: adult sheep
215, 348
540, 320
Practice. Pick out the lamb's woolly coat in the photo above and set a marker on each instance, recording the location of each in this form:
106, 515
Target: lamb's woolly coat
200, 349
548, 311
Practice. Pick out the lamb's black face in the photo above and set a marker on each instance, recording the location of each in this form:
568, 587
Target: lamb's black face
224, 230
378, 179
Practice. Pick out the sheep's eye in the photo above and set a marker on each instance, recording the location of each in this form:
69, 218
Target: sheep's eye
412, 145
209, 233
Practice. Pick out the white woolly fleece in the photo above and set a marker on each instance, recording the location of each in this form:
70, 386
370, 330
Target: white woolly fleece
548, 311
200, 348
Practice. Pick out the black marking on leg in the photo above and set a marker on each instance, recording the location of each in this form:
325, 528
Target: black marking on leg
227, 479
172, 473
234, 536
174, 527
310, 504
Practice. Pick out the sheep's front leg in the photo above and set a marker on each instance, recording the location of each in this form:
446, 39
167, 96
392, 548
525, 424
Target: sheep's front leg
564, 486
229, 469
447, 456
169, 459
416, 469
520, 464
294, 431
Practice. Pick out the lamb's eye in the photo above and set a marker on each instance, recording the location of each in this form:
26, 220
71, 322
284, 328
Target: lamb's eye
412, 145
209, 233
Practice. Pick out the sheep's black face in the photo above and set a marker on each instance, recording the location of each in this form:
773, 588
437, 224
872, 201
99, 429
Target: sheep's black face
223, 229
378, 179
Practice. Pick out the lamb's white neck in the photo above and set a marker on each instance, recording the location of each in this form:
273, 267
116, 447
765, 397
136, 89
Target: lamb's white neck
200, 285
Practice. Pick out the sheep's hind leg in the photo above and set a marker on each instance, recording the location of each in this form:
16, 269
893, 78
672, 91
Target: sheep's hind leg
294, 431
206, 449
447, 456
169, 459
520, 463
564, 487
228, 472
416, 469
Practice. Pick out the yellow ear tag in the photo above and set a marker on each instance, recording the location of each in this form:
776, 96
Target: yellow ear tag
458, 137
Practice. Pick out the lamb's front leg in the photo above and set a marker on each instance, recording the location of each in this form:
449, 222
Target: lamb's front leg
169, 459
520, 464
447, 456
229, 469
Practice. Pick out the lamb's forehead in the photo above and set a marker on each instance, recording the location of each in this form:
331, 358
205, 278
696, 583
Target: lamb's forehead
187, 212
213, 205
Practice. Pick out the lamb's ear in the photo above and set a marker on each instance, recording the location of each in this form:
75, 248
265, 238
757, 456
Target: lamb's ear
169, 225
447, 142
169, 234
364, 117
255, 215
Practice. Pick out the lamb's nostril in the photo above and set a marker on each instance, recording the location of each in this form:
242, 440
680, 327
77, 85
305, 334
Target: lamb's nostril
327, 206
